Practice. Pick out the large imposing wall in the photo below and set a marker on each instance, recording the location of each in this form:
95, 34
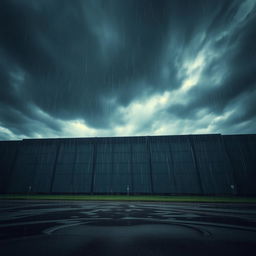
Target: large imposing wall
188, 164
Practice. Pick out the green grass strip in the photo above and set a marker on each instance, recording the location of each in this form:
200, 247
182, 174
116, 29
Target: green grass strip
214, 199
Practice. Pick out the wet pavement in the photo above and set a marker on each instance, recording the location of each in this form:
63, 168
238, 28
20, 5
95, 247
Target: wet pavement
126, 228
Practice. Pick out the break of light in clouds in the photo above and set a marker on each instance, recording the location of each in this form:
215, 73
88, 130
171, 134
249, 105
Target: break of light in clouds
87, 68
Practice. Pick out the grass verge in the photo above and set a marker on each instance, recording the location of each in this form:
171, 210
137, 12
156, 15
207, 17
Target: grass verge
214, 199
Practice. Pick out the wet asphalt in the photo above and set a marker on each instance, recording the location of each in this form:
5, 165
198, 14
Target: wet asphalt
126, 228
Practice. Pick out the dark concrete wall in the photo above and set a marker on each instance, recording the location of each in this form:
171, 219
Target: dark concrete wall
186, 164
8, 155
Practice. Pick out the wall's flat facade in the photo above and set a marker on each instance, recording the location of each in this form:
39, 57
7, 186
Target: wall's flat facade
8, 155
186, 164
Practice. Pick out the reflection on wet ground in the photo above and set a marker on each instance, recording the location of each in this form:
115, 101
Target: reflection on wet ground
126, 228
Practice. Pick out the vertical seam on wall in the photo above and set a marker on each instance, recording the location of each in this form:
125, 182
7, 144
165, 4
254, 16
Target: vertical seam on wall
35, 167
93, 165
55, 165
73, 167
150, 164
195, 163
131, 169
112, 167
230, 162
172, 164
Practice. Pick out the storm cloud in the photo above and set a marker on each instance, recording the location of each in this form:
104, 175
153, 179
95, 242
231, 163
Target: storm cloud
117, 67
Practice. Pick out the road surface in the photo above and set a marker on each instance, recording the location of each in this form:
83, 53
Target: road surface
126, 228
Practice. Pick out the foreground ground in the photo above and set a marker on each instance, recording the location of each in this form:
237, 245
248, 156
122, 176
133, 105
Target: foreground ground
126, 228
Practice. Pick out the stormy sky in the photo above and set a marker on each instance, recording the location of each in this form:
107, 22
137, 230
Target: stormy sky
82, 68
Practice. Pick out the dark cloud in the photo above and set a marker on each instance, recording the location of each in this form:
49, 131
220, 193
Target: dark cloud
239, 78
85, 60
